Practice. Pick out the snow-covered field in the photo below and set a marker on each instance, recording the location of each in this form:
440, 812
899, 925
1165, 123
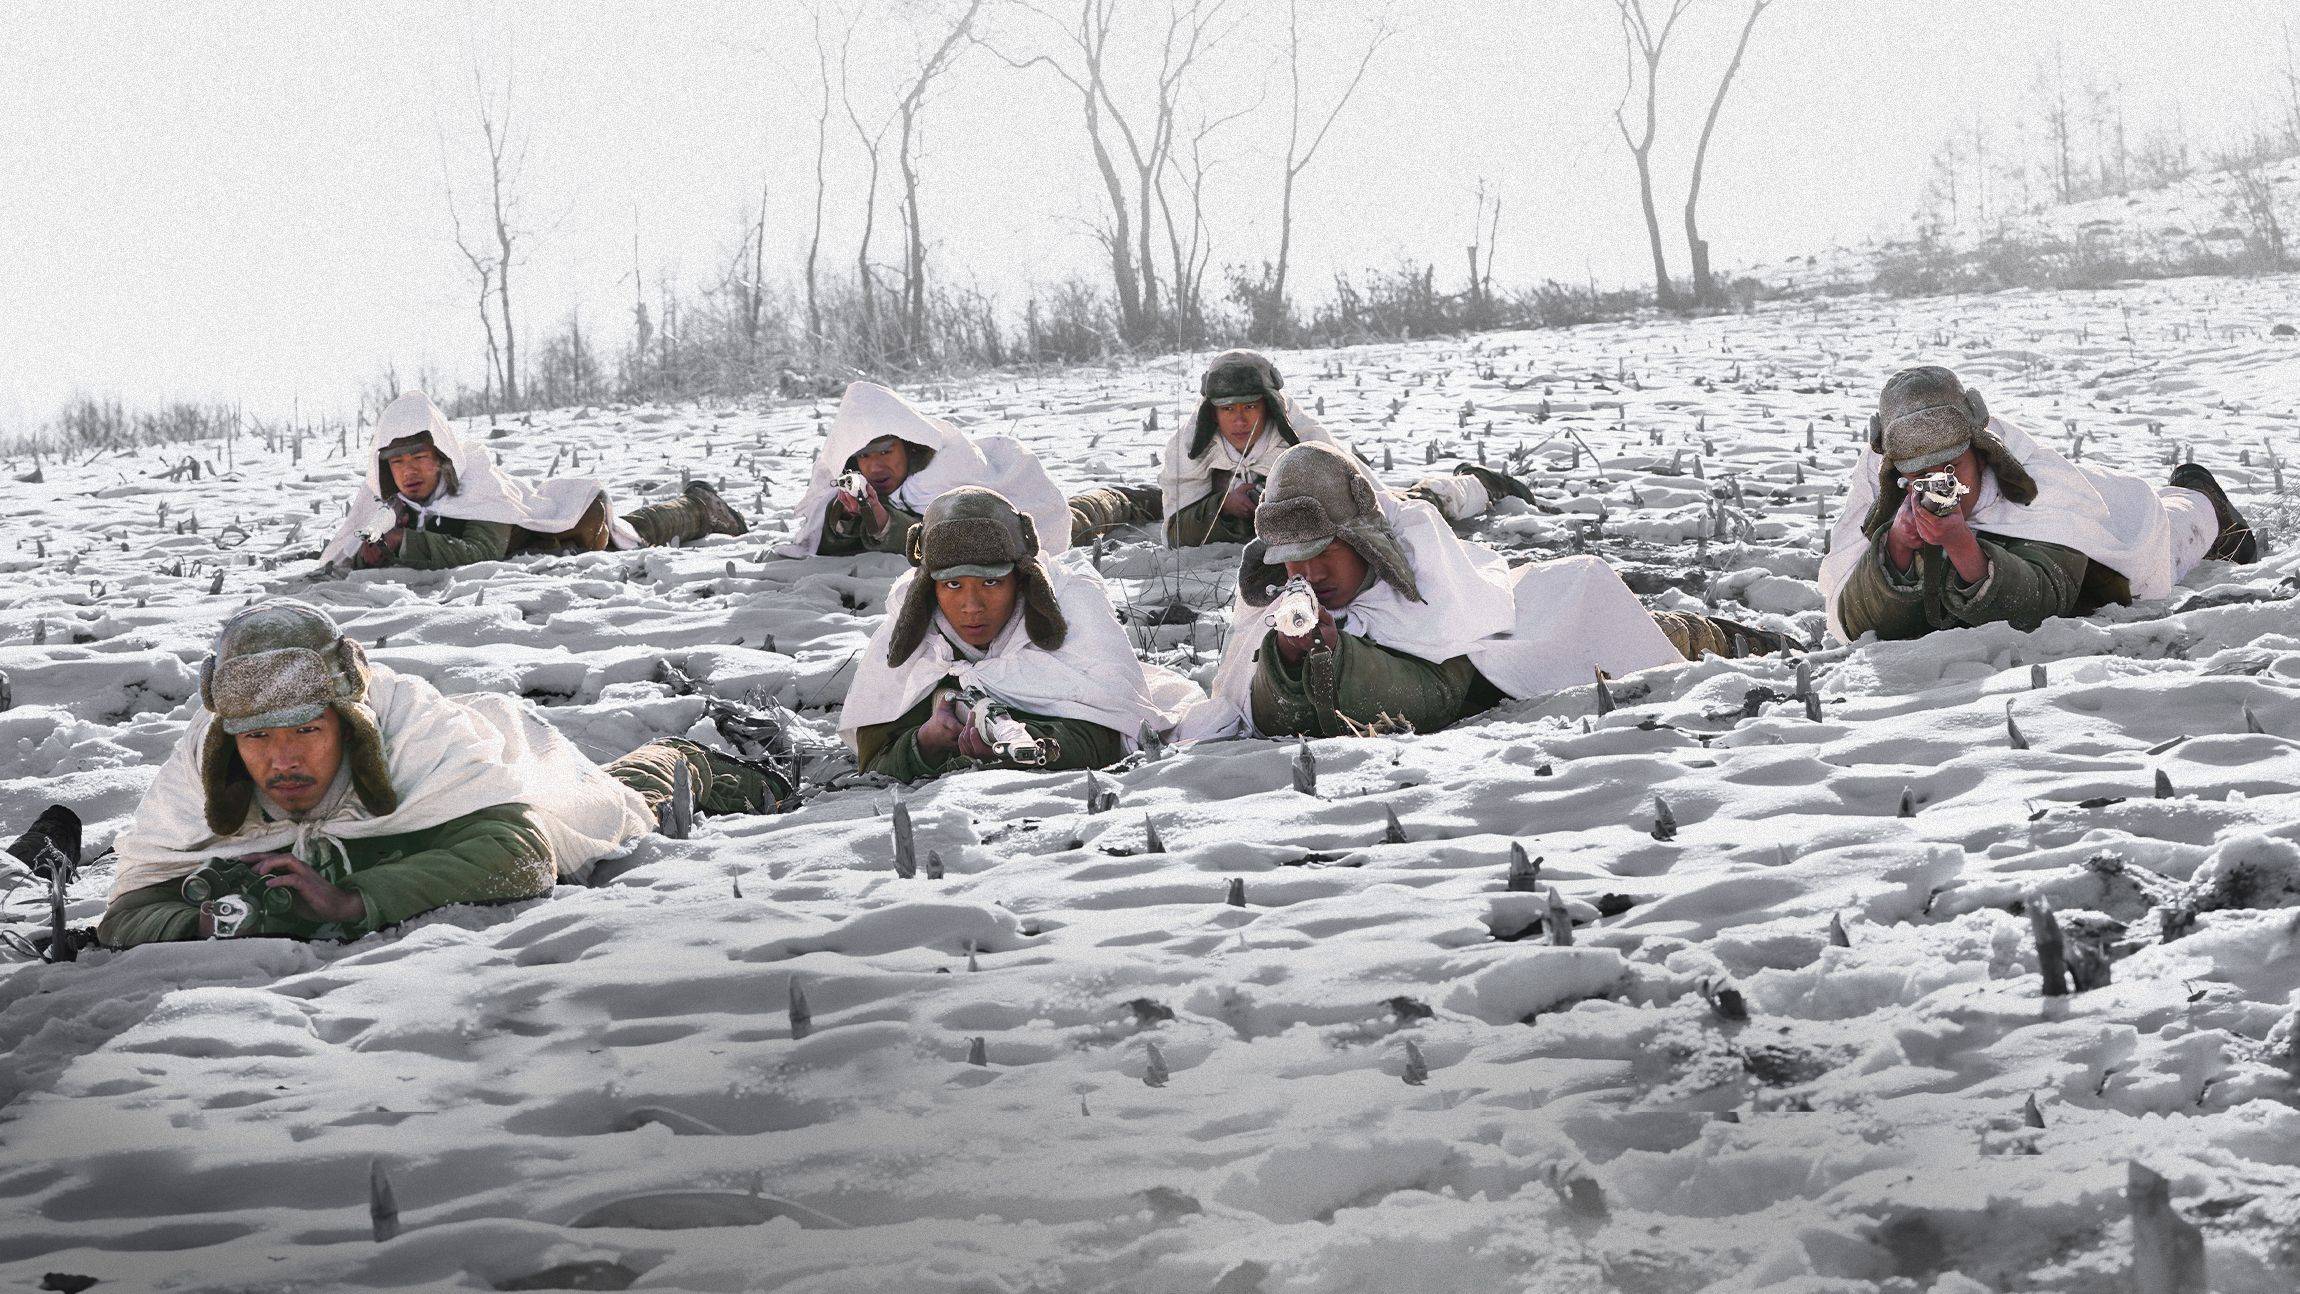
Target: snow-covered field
1070, 1063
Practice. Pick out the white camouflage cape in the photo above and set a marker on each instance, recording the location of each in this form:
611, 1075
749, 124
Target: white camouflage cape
447, 757
1537, 628
1002, 463
2112, 517
483, 492
1093, 676
1183, 480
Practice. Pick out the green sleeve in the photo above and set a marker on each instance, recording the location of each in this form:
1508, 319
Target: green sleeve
844, 536
895, 752
2026, 585
1203, 523
1361, 681
153, 914
475, 541
1876, 597
489, 856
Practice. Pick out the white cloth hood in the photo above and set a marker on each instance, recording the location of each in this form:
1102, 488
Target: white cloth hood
446, 757
1183, 480
2112, 517
1530, 630
869, 411
483, 490
1093, 676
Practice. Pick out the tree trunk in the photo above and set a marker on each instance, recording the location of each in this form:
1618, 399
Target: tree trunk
1664, 293
1704, 287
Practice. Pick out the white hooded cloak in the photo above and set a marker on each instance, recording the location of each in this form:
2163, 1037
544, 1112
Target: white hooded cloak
446, 756
1093, 676
1533, 629
483, 492
2112, 517
869, 411
1183, 480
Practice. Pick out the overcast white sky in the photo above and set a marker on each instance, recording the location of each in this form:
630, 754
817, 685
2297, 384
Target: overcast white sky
244, 200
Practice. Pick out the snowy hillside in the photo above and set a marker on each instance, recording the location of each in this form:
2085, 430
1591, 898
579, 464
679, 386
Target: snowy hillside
2200, 219
1070, 1062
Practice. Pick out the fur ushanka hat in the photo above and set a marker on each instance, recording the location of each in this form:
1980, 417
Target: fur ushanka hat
973, 531
1235, 377
1318, 494
278, 664
1925, 418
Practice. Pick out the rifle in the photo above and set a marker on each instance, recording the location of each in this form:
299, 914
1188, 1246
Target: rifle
1938, 491
994, 722
1294, 612
857, 485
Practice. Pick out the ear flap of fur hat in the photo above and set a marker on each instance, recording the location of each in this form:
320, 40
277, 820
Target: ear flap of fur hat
1042, 616
1890, 492
228, 792
2013, 480
1259, 580
916, 615
363, 754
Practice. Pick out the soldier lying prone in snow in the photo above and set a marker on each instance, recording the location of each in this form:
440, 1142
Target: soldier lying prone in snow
364, 796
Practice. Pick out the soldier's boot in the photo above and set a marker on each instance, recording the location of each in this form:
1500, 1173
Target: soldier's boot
716, 782
1498, 484
2236, 542
1110, 506
740, 785
1695, 636
697, 512
52, 843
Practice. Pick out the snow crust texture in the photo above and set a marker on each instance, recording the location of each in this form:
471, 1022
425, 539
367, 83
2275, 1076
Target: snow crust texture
1071, 1062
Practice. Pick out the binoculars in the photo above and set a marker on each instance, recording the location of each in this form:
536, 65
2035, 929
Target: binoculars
220, 878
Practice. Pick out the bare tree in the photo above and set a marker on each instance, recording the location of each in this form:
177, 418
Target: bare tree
1147, 129
1298, 156
1193, 251
482, 265
873, 142
2052, 89
1641, 42
822, 149
906, 156
1704, 287
506, 161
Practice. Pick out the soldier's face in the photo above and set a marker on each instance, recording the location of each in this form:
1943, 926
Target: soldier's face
885, 465
1335, 575
416, 475
294, 765
1239, 423
977, 608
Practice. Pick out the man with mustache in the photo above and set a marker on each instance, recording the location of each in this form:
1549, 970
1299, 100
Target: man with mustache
1416, 628
370, 798
434, 499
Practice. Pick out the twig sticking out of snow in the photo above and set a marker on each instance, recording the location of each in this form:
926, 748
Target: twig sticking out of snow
1804, 678
2036, 677
2167, 1249
1908, 807
1664, 822
1393, 833
2013, 733
1417, 1069
1151, 844
7, 694
972, 964
905, 847
1099, 798
1558, 923
60, 945
934, 864
1604, 696
1813, 707
737, 885
2030, 1115
1725, 1000
382, 1208
2049, 947
978, 1052
802, 1019
1524, 872
1305, 769
216, 585
1837, 936
2252, 722
1154, 1071
2163, 785
676, 819
1236, 897
1153, 745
